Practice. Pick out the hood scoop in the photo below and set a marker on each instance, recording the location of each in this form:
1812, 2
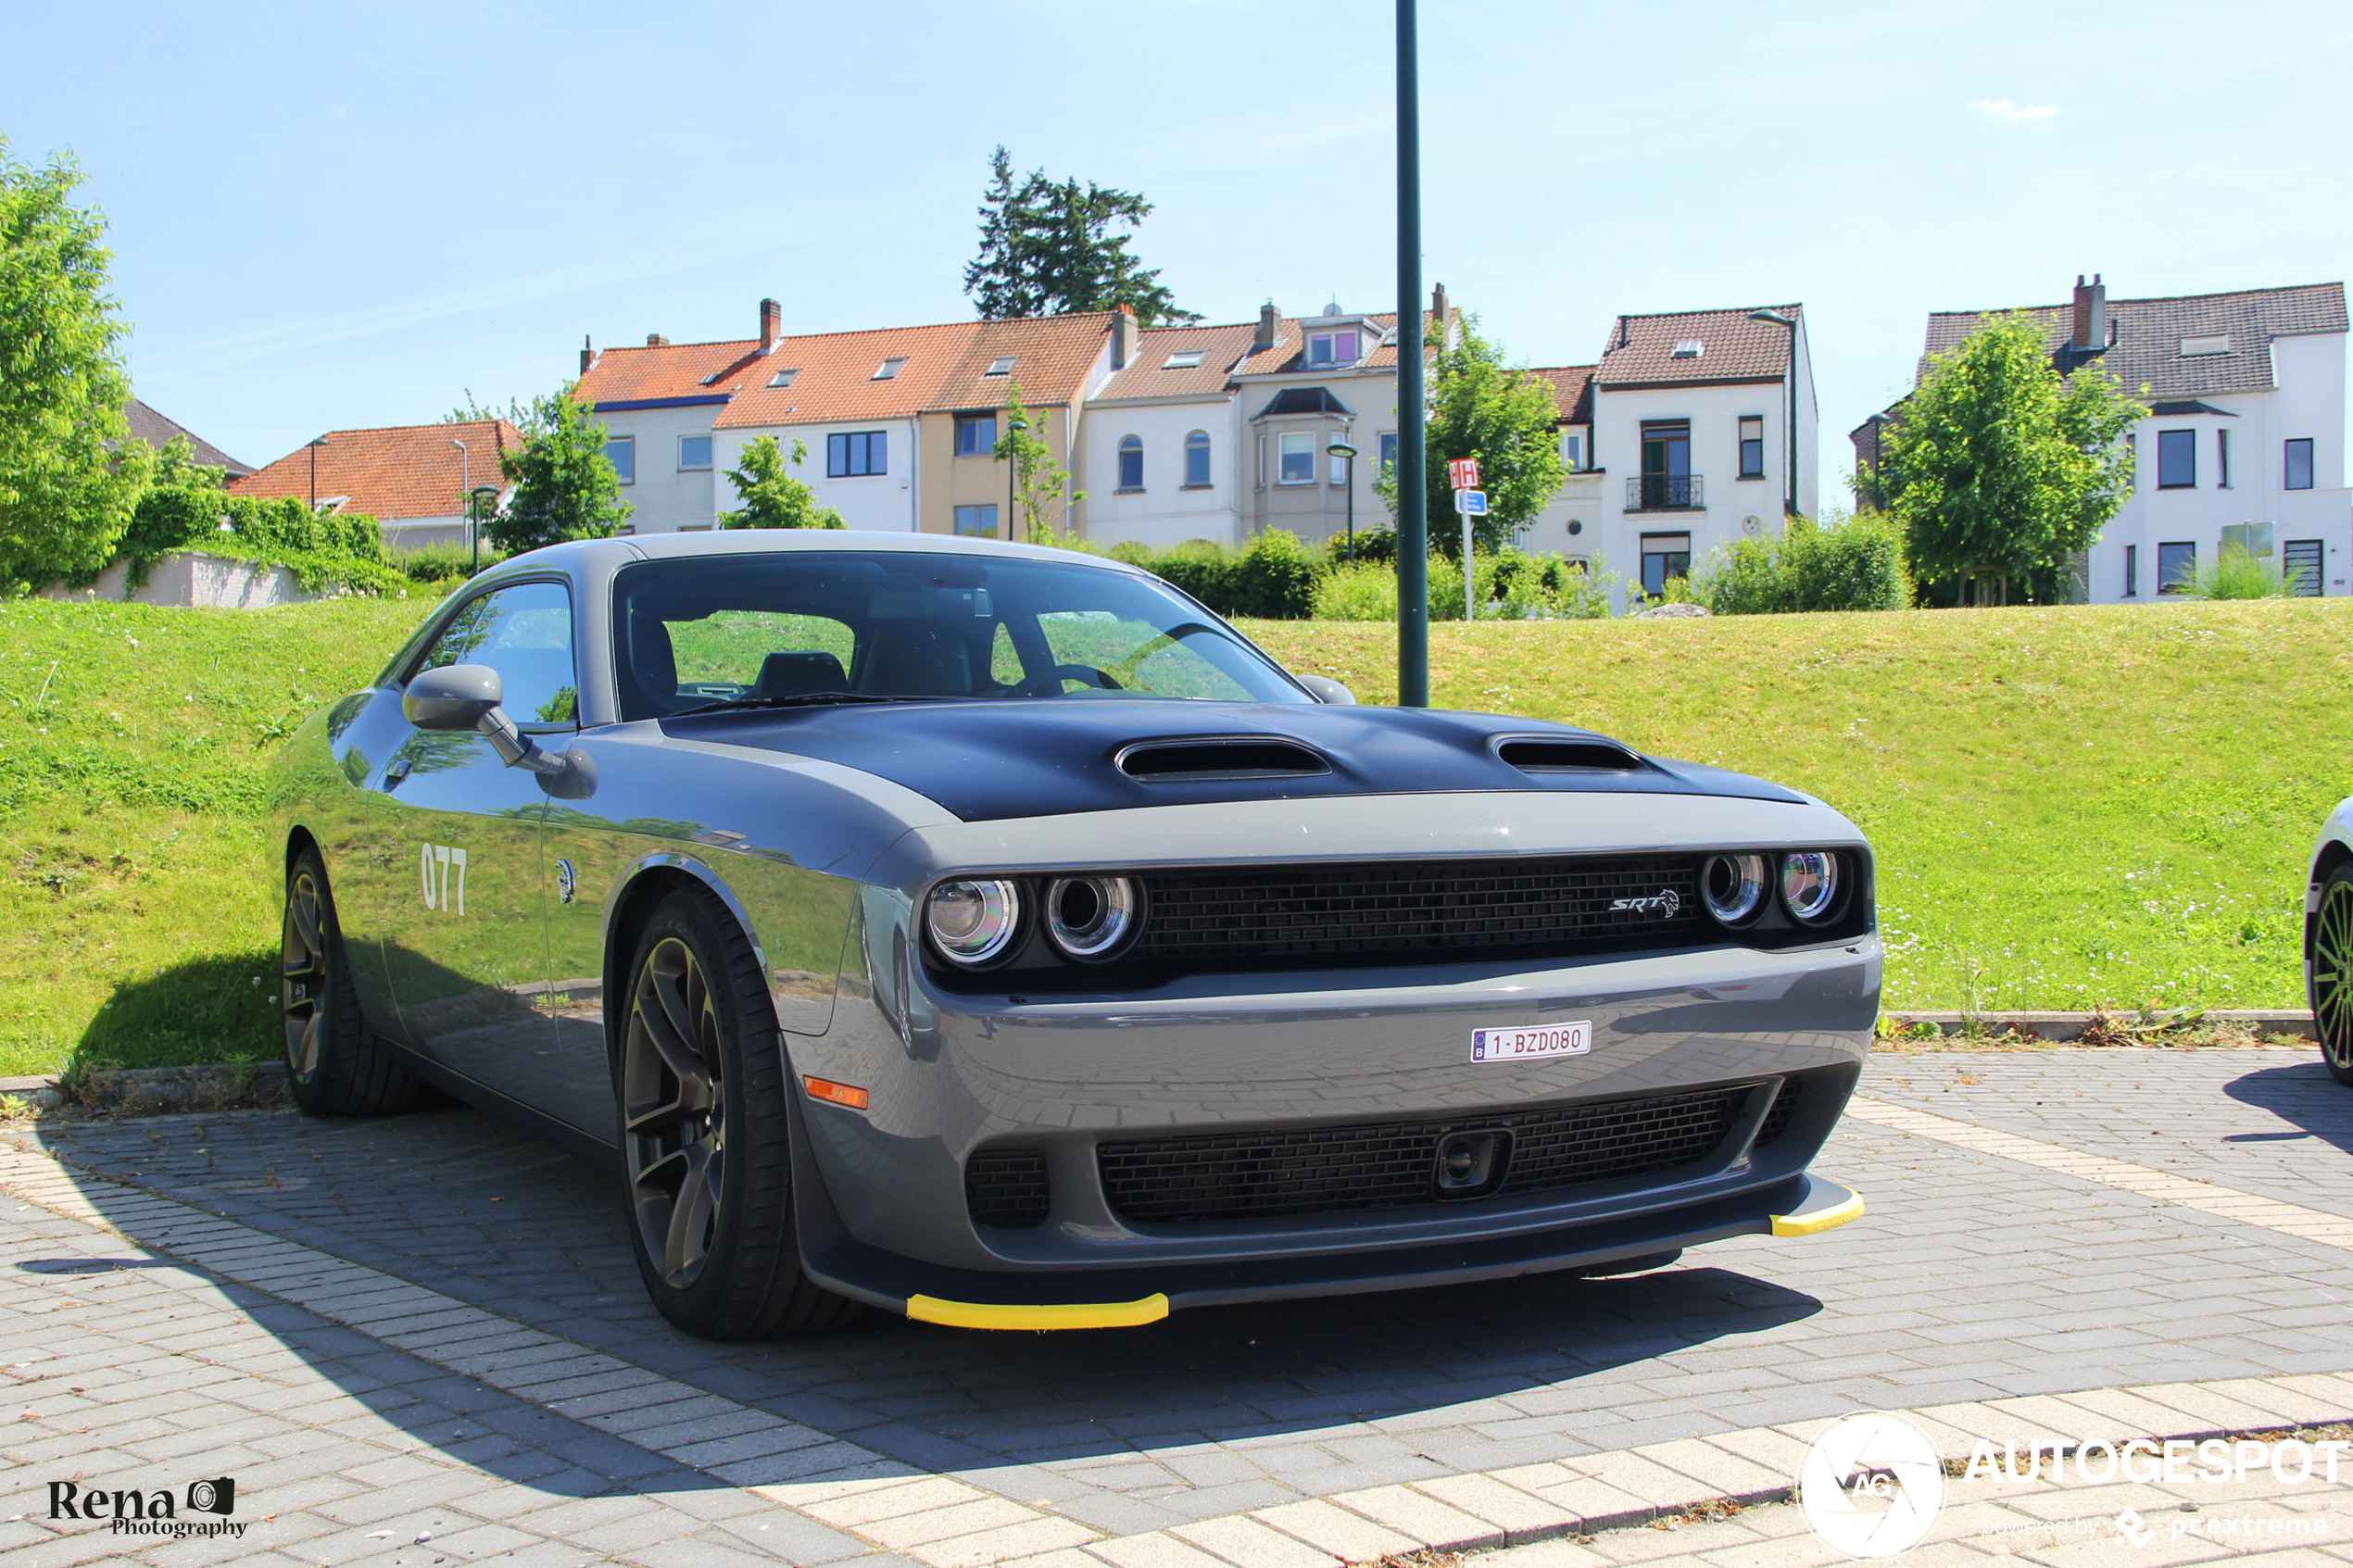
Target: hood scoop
1544, 754
1207, 759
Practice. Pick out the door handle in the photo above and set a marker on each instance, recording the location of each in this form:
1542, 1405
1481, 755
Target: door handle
395, 771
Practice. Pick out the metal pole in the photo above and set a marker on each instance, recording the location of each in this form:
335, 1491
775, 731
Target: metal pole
1352, 508
1413, 496
1470, 593
466, 483
1792, 417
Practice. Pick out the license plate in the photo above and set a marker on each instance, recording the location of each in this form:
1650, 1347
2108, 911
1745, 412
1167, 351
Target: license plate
1532, 1043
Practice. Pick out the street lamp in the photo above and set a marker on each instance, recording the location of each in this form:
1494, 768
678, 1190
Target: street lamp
1774, 317
478, 501
1342, 449
465, 484
314, 446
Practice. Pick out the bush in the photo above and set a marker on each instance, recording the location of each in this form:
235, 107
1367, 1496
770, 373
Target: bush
171, 516
2236, 572
1510, 587
440, 563
1853, 563
1362, 592
1272, 579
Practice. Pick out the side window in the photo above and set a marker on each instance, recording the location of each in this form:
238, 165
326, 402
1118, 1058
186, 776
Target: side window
523, 632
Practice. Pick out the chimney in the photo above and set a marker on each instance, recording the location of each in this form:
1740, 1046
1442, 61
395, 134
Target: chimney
588, 354
1437, 303
1264, 338
772, 324
655, 339
1122, 336
2091, 316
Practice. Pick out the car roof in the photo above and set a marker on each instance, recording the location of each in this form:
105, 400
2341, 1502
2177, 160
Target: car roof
599, 556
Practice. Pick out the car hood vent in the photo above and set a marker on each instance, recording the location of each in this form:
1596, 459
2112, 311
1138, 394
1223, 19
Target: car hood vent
1196, 760
1544, 754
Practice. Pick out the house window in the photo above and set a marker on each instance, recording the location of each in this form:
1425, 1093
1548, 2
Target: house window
1572, 449
784, 378
852, 454
1184, 359
1667, 464
2176, 460
1261, 462
2222, 460
2302, 561
1003, 367
1197, 460
1299, 458
2205, 342
1664, 555
2176, 567
1752, 446
621, 451
2299, 465
2132, 571
890, 368
1333, 348
976, 434
1689, 348
694, 452
1389, 453
1340, 466
976, 522
1131, 462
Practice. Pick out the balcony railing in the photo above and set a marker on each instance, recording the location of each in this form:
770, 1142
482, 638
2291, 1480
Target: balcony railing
1663, 492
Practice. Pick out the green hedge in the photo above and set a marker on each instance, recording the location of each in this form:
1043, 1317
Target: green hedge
1854, 563
321, 550
1273, 578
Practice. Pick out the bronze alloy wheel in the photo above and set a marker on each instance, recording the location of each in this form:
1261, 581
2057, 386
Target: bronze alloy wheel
303, 989
2332, 973
674, 1111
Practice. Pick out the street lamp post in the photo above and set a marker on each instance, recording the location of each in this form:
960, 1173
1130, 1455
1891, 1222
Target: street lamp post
1789, 506
314, 446
478, 501
1343, 450
465, 482
1413, 498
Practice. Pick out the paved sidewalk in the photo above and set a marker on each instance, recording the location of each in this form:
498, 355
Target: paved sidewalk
437, 1292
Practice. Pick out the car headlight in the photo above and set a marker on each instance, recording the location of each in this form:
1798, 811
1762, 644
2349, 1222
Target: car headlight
1090, 916
1809, 885
1734, 887
974, 922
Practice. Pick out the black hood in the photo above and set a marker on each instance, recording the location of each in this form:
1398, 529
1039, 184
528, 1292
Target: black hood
987, 761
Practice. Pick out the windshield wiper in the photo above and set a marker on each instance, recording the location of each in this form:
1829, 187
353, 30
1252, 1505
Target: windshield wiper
806, 699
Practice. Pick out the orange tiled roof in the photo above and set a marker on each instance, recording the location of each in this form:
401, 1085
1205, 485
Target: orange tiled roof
1572, 391
1288, 355
668, 369
398, 471
1732, 348
1051, 355
1148, 374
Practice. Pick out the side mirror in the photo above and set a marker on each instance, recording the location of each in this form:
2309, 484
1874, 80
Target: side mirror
455, 696
1326, 690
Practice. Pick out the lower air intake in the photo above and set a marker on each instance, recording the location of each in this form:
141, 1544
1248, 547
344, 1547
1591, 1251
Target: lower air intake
1006, 1189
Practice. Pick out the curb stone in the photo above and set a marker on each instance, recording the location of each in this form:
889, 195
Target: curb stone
156, 1091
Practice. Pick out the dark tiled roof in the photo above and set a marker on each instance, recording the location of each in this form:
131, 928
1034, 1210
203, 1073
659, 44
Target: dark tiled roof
1148, 375
1289, 355
1304, 400
1732, 348
156, 429
2147, 350
1572, 391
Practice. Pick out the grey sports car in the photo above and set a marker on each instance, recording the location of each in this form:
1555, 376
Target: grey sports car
992, 934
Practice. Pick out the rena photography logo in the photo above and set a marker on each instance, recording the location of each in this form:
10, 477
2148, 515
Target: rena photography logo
1870, 1485
130, 1511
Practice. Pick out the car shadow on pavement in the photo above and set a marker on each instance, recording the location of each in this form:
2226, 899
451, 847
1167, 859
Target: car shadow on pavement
453, 1201
2303, 1094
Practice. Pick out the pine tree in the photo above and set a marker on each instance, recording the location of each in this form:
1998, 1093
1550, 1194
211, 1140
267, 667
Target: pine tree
1046, 249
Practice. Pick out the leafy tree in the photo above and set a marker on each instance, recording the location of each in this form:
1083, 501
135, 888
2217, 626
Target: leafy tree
177, 466
564, 486
1046, 249
70, 474
772, 496
1506, 419
521, 416
2002, 469
1042, 485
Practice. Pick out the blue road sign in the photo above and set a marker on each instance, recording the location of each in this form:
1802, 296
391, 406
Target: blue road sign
1471, 503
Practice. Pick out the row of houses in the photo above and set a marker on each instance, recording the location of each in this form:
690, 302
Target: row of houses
1689, 430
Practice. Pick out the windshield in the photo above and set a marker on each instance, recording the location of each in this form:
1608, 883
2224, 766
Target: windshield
812, 625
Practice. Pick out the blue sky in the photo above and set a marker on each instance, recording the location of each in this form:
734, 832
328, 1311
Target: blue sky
327, 217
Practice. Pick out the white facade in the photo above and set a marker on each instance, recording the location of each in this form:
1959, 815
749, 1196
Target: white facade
2295, 528
886, 502
1164, 509
668, 494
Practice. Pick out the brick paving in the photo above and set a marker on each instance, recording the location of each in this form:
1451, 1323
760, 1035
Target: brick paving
1974, 1277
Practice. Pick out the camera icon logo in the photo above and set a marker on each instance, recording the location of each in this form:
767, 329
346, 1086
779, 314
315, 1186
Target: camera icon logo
216, 1496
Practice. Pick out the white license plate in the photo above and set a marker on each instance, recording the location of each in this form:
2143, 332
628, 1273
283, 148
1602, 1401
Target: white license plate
1532, 1043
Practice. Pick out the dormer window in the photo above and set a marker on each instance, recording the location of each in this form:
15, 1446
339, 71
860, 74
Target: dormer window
1689, 348
713, 377
1184, 359
889, 369
1003, 366
784, 378
2205, 342
1335, 348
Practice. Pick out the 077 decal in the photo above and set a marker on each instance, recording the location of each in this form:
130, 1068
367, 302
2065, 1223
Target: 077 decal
434, 863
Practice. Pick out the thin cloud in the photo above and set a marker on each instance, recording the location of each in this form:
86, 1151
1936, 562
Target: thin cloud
2011, 113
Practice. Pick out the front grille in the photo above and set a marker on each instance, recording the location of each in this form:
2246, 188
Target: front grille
1777, 1120
1365, 913
1260, 1176
1006, 1187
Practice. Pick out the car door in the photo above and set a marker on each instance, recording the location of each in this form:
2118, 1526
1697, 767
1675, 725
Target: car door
464, 941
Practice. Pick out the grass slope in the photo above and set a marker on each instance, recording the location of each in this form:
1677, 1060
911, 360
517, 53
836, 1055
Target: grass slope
2069, 805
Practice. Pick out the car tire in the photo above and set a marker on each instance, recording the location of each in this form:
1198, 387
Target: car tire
335, 1064
706, 1147
2330, 953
